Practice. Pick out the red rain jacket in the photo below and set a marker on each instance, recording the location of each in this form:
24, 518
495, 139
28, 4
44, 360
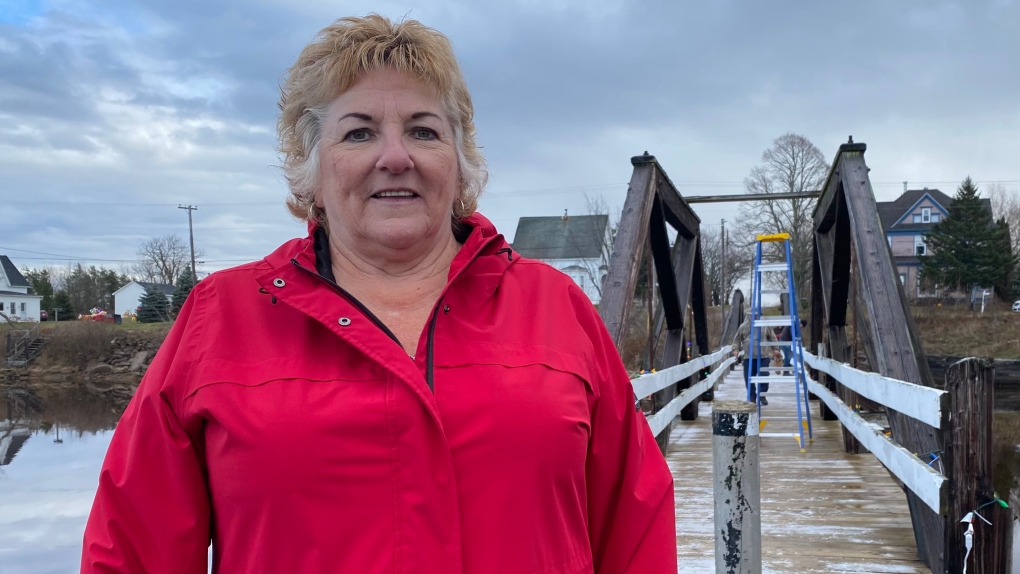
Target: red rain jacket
279, 421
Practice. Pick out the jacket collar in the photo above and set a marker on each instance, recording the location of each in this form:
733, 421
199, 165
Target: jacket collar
478, 237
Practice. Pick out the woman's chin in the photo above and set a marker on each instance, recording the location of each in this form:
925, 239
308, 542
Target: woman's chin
399, 236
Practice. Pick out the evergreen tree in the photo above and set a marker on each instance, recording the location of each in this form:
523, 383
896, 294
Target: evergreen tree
41, 285
153, 307
62, 307
185, 283
966, 247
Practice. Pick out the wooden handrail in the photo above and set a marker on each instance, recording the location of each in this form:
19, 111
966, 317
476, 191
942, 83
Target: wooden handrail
661, 419
652, 382
928, 484
926, 404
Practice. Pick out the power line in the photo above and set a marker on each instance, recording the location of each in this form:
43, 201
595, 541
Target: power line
494, 194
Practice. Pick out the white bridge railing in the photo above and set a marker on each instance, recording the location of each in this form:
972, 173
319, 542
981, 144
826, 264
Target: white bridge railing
653, 382
925, 404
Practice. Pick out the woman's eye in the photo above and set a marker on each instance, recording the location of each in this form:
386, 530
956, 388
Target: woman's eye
359, 135
424, 134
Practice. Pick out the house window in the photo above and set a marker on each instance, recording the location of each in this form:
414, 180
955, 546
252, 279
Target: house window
1, 307
926, 215
22, 307
935, 218
917, 218
903, 279
920, 249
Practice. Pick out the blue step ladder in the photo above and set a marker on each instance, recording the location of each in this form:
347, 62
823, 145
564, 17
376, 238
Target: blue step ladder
778, 375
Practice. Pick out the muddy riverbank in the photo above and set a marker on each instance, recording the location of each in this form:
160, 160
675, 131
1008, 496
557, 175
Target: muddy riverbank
99, 360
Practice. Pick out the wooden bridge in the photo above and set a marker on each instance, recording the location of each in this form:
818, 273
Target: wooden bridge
884, 492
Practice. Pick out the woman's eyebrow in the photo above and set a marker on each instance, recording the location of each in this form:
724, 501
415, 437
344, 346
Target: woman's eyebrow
420, 115
357, 115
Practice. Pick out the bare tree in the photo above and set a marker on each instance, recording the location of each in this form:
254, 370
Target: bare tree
738, 264
162, 259
791, 165
596, 231
1006, 205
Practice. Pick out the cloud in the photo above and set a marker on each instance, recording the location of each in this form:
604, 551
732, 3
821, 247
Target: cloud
139, 106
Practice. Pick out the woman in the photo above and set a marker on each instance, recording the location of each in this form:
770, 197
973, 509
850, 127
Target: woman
741, 342
396, 392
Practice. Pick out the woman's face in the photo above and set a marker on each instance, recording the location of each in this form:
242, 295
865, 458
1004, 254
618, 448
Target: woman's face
388, 172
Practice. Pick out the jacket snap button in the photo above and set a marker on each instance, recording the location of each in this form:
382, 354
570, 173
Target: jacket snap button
279, 282
344, 321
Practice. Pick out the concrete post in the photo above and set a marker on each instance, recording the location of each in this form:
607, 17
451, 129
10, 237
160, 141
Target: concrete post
737, 485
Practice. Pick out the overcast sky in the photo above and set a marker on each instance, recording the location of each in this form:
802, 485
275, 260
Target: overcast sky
114, 112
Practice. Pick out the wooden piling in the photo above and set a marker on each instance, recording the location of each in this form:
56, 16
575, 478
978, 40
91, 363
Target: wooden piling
737, 487
968, 460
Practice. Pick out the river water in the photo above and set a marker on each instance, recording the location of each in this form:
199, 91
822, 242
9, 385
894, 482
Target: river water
51, 449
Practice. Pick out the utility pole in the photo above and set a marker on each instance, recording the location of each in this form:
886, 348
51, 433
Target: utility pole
722, 280
191, 234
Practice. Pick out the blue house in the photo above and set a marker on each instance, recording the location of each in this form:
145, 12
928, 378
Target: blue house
906, 221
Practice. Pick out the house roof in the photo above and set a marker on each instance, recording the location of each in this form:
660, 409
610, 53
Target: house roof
560, 237
12, 273
19, 294
891, 211
161, 287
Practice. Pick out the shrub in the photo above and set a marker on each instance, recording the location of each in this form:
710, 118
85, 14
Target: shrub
75, 344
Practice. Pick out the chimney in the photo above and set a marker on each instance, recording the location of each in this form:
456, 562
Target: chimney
565, 216
904, 187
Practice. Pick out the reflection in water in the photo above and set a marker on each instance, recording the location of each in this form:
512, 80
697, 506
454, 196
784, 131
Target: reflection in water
51, 448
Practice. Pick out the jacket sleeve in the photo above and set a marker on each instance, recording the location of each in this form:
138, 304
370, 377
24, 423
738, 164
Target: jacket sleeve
151, 511
631, 516
740, 337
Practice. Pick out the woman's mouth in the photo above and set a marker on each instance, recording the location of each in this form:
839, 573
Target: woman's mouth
395, 193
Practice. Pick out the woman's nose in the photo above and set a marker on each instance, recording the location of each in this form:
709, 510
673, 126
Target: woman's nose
394, 156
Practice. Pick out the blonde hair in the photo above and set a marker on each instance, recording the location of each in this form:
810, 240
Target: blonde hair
333, 62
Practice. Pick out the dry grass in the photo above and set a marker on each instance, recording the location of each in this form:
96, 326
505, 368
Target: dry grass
1005, 458
74, 344
959, 332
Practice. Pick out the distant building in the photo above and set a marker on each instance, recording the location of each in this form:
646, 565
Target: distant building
578, 245
906, 221
15, 302
128, 298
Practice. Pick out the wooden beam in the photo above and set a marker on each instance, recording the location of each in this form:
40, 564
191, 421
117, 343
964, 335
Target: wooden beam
699, 300
733, 318
621, 279
892, 331
671, 295
751, 197
678, 213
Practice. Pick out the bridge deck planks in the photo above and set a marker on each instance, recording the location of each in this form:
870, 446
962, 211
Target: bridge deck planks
822, 511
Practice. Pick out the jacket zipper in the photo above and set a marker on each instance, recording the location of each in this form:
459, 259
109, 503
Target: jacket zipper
343, 293
430, 347
430, 340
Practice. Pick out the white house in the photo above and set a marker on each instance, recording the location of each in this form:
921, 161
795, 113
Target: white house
15, 302
128, 298
578, 245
